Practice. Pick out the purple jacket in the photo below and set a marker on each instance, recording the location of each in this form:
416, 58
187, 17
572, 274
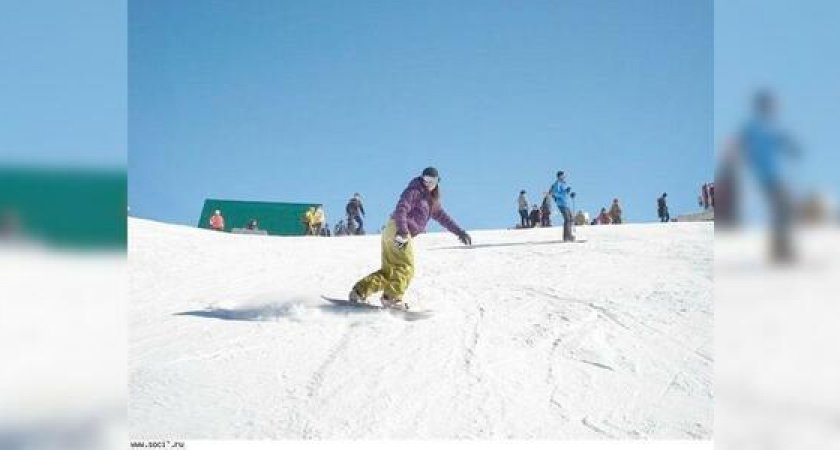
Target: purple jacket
413, 211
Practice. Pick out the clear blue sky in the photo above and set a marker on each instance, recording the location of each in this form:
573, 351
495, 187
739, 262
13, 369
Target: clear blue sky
63, 83
312, 101
794, 50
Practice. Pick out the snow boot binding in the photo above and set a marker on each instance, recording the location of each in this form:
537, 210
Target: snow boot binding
393, 303
355, 297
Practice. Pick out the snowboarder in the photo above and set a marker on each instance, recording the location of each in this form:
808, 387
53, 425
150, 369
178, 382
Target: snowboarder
662, 208
525, 222
418, 202
355, 211
561, 192
615, 212
217, 221
705, 193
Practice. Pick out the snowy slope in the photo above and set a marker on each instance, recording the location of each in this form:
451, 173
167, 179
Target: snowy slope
531, 338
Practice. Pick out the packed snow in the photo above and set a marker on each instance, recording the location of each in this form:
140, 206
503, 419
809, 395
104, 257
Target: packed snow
778, 366
62, 348
531, 337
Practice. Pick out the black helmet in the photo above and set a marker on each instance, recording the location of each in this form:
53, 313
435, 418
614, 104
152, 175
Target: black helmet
522, 191
430, 172
560, 173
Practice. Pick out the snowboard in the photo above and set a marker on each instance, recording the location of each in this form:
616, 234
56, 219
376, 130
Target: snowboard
409, 315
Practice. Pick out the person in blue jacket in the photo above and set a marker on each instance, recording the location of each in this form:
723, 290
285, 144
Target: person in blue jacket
764, 145
561, 192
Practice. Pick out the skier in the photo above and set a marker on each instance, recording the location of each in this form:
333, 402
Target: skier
615, 212
217, 221
662, 208
355, 211
561, 192
523, 210
418, 202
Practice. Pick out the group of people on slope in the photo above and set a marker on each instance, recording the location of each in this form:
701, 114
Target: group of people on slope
613, 216
562, 194
538, 216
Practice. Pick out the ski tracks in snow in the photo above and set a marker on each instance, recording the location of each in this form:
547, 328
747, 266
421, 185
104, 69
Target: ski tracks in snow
608, 339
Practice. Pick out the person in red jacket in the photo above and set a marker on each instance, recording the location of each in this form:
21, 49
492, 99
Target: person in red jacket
217, 221
419, 202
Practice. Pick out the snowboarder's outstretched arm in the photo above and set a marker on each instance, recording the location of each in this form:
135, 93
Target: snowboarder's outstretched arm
442, 218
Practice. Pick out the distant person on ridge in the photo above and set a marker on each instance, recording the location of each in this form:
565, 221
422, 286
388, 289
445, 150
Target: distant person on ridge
561, 192
522, 201
355, 211
418, 202
712, 195
580, 218
534, 219
318, 219
339, 228
545, 210
604, 218
615, 212
309, 221
662, 208
217, 221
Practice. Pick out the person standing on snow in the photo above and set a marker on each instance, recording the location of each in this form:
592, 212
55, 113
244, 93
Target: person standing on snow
603, 217
615, 212
662, 208
217, 221
561, 192
765, 145
525, 222
355, 211
534, 219
545, 210
418, 202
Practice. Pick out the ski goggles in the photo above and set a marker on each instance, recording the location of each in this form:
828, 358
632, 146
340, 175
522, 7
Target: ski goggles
430, 182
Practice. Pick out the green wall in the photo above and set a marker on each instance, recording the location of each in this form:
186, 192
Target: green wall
279, 219
70, 208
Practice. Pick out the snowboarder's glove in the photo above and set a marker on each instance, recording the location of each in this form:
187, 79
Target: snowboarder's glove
572, 195
465, 238
400, 242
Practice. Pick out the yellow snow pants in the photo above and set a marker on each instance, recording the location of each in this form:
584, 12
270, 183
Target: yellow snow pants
397, 267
